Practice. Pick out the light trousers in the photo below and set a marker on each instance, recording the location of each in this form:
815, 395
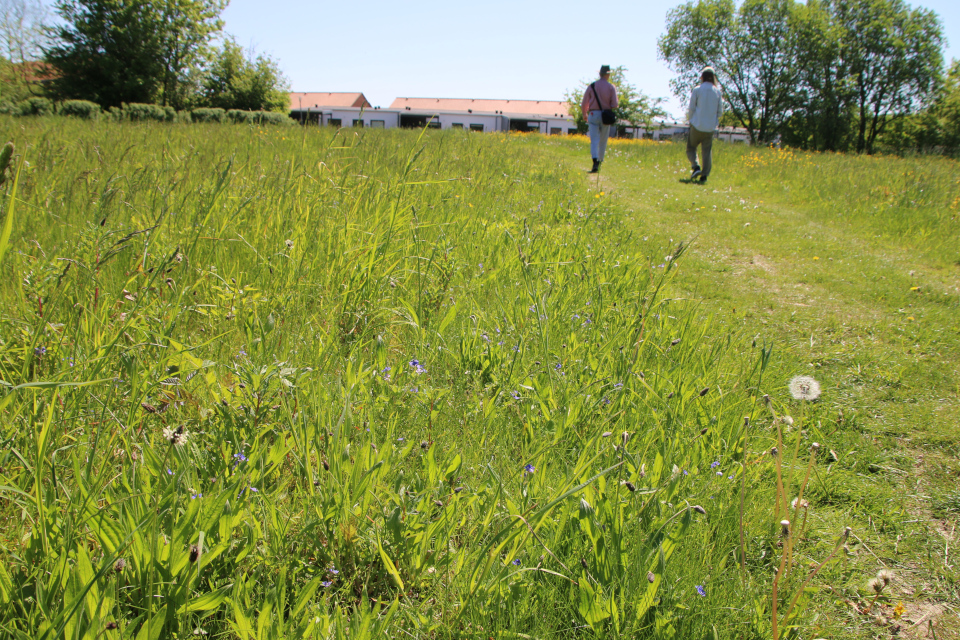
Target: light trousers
705, 141
599, 133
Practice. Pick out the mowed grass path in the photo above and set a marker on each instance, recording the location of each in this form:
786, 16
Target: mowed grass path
842, 266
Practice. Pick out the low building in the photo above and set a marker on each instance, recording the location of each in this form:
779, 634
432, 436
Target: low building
478, 114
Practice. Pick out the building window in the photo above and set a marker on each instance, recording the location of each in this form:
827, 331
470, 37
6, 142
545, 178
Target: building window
476, 127
457, 125
376, 124
333, 122
358, 124
571, 131
434, 123
555, 131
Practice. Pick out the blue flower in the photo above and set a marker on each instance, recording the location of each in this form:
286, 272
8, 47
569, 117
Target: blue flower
529, 469
701, 591
417, 367
618, 386
40, 351
714, 465
516, 562
516, 396
326, 583
196, 495
333, 571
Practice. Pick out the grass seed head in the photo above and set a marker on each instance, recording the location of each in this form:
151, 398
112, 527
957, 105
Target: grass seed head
699, 509
176, 437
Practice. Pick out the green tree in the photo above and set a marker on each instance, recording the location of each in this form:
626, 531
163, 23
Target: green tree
106, 51
948, 111
115, 51
238, 79
186, 29
633, 106
754, 49
822, 118
895, 61
21, 40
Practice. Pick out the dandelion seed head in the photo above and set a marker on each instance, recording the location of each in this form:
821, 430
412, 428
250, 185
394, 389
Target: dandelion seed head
885, 575
804, 388
876, 585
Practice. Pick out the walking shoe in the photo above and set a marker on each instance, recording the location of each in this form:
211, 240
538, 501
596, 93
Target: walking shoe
596, 166
696, 174
703, 179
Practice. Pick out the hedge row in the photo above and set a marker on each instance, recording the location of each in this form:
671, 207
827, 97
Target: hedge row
140, 112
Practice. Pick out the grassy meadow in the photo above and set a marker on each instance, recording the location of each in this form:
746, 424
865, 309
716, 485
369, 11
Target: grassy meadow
280, 382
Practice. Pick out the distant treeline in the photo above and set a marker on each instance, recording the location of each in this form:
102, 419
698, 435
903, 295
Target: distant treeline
827, 75
86, 110
168, 53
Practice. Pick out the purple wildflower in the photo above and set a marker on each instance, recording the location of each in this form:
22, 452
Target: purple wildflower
701, 591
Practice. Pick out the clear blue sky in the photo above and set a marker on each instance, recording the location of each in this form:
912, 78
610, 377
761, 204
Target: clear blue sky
530, 49
484, 49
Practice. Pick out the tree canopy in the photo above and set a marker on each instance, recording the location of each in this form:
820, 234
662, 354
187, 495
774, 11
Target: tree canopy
824, 74
157, 51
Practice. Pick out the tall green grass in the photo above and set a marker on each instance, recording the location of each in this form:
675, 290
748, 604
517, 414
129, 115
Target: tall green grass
276, 384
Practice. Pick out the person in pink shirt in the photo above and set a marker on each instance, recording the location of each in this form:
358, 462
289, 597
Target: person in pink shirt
598, 96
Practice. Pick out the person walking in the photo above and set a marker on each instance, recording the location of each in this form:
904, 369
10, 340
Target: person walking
599, 96
703, 114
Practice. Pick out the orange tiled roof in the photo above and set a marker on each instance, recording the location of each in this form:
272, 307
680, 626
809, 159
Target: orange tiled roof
320, 100
547, 108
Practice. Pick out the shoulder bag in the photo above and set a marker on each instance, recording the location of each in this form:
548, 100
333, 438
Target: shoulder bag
607, 116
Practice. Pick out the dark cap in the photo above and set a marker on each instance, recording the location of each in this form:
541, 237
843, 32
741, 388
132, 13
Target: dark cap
604, 70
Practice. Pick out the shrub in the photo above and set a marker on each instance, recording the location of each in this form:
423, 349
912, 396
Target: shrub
209, 115
238, 116
137, 112
8, 108
80, 109
36, 107
183, 117
272, 117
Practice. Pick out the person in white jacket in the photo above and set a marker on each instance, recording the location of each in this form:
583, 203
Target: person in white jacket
703, 114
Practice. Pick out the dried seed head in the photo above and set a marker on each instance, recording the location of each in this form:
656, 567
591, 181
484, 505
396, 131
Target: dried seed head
650, 576
606, 434
785, 527
704, 431
787, 420
833, 457
746, 421
766, 400
326, 465
675, 342
876, 585
194, 553
629, 485
110, 626
437, 503
583, 563
803, 504
624, 438
699, 509
669, 395
704, 391
886, 575
119, 565
424, 444
846, 533
815, 447
774, 451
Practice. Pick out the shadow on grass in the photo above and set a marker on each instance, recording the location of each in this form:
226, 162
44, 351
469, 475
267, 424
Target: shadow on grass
691, 181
